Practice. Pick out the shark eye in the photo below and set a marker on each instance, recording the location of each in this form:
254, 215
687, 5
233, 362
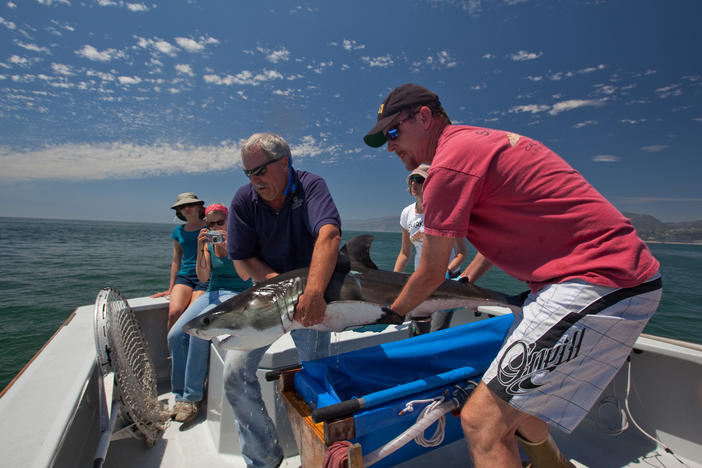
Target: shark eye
205, 320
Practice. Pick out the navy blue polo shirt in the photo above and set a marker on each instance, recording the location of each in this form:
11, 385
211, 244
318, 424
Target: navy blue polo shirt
284, 240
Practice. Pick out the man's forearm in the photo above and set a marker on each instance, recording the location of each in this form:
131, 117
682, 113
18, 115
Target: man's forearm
477, 268
420, 285
324, 255
430, 274
255, 268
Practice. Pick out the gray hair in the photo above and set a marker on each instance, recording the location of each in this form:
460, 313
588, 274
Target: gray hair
274, 146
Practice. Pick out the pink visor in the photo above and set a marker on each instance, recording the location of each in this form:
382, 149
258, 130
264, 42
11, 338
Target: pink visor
216, 207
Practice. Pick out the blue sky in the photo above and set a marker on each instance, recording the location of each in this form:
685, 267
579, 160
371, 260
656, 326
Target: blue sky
110, 108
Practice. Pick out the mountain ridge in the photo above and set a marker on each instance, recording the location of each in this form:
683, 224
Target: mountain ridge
648, 227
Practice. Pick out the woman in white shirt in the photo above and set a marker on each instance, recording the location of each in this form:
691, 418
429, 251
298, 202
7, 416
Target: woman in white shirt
412, 222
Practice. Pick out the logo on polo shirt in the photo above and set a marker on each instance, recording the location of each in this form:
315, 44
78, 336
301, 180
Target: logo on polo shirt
297, 202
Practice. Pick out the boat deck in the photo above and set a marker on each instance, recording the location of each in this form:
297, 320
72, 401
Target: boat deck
50, 411
191, 444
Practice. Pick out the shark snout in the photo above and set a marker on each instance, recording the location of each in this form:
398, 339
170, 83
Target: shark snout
198, 327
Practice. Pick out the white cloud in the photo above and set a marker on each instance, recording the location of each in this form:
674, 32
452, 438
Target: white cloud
115, 161
534, 78
698, 119
320, 67
533, 108
165, 47
192, 45
586, 123
489, 56
129, 80
91, 53
310, 147
61, 69
574, 104
523, 55
51, 2
157, 44
275, 56
591, 69
7, 24
384, 61
605, 89
102, 75
558, 76
284, 92
668, 91
441, 59
56, 26
606, 158
11, 5
137, 7
19, 61
654, 148
350, 44
632, 121
243, 78
184, 69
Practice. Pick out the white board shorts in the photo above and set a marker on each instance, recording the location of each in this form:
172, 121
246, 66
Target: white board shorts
566, 345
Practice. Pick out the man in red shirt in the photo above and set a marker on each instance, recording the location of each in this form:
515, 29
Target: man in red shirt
594, 283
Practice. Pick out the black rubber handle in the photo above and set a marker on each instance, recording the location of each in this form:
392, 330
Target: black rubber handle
338, 410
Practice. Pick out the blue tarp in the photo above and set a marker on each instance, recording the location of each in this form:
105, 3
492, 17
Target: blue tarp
389, 375
416, 364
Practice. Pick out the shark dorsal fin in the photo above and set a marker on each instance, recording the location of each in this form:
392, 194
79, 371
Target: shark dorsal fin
358, 251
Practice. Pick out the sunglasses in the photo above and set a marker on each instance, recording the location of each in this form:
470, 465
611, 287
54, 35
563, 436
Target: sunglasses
394, 132
416, 179
221, 222
259, 170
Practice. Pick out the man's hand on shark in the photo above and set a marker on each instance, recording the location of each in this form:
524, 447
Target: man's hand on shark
310, 309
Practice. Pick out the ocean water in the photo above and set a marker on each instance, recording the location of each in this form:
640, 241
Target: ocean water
50, 267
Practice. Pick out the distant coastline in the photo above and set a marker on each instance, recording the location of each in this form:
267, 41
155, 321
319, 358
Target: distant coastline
649, 228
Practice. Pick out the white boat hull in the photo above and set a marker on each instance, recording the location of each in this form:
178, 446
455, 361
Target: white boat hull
49, 414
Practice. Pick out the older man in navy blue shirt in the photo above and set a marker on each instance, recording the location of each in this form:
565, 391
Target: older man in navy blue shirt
283, 220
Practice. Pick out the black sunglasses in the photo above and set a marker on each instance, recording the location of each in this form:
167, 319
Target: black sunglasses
221, 222
394, 132
417, 179
259, 170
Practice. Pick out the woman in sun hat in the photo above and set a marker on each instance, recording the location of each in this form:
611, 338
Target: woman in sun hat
412, 223
189, 355
184, 286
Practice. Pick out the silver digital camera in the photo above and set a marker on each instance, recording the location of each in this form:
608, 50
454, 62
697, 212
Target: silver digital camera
217, 237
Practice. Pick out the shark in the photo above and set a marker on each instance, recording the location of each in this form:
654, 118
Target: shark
358, 294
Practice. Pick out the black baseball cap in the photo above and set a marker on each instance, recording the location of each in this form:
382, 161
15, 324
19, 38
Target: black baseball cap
400, 98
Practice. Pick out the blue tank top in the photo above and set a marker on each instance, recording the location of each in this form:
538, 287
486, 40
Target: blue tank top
188, 242
223, 274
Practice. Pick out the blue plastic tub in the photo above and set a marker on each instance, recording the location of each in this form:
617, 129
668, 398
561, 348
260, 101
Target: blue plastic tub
379, 381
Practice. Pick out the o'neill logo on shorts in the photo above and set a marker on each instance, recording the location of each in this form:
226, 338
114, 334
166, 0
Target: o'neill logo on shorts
521, 368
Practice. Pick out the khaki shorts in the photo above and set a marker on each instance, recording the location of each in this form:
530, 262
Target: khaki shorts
566, 345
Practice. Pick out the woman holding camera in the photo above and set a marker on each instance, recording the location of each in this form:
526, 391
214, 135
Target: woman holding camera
189, 355
184, 286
